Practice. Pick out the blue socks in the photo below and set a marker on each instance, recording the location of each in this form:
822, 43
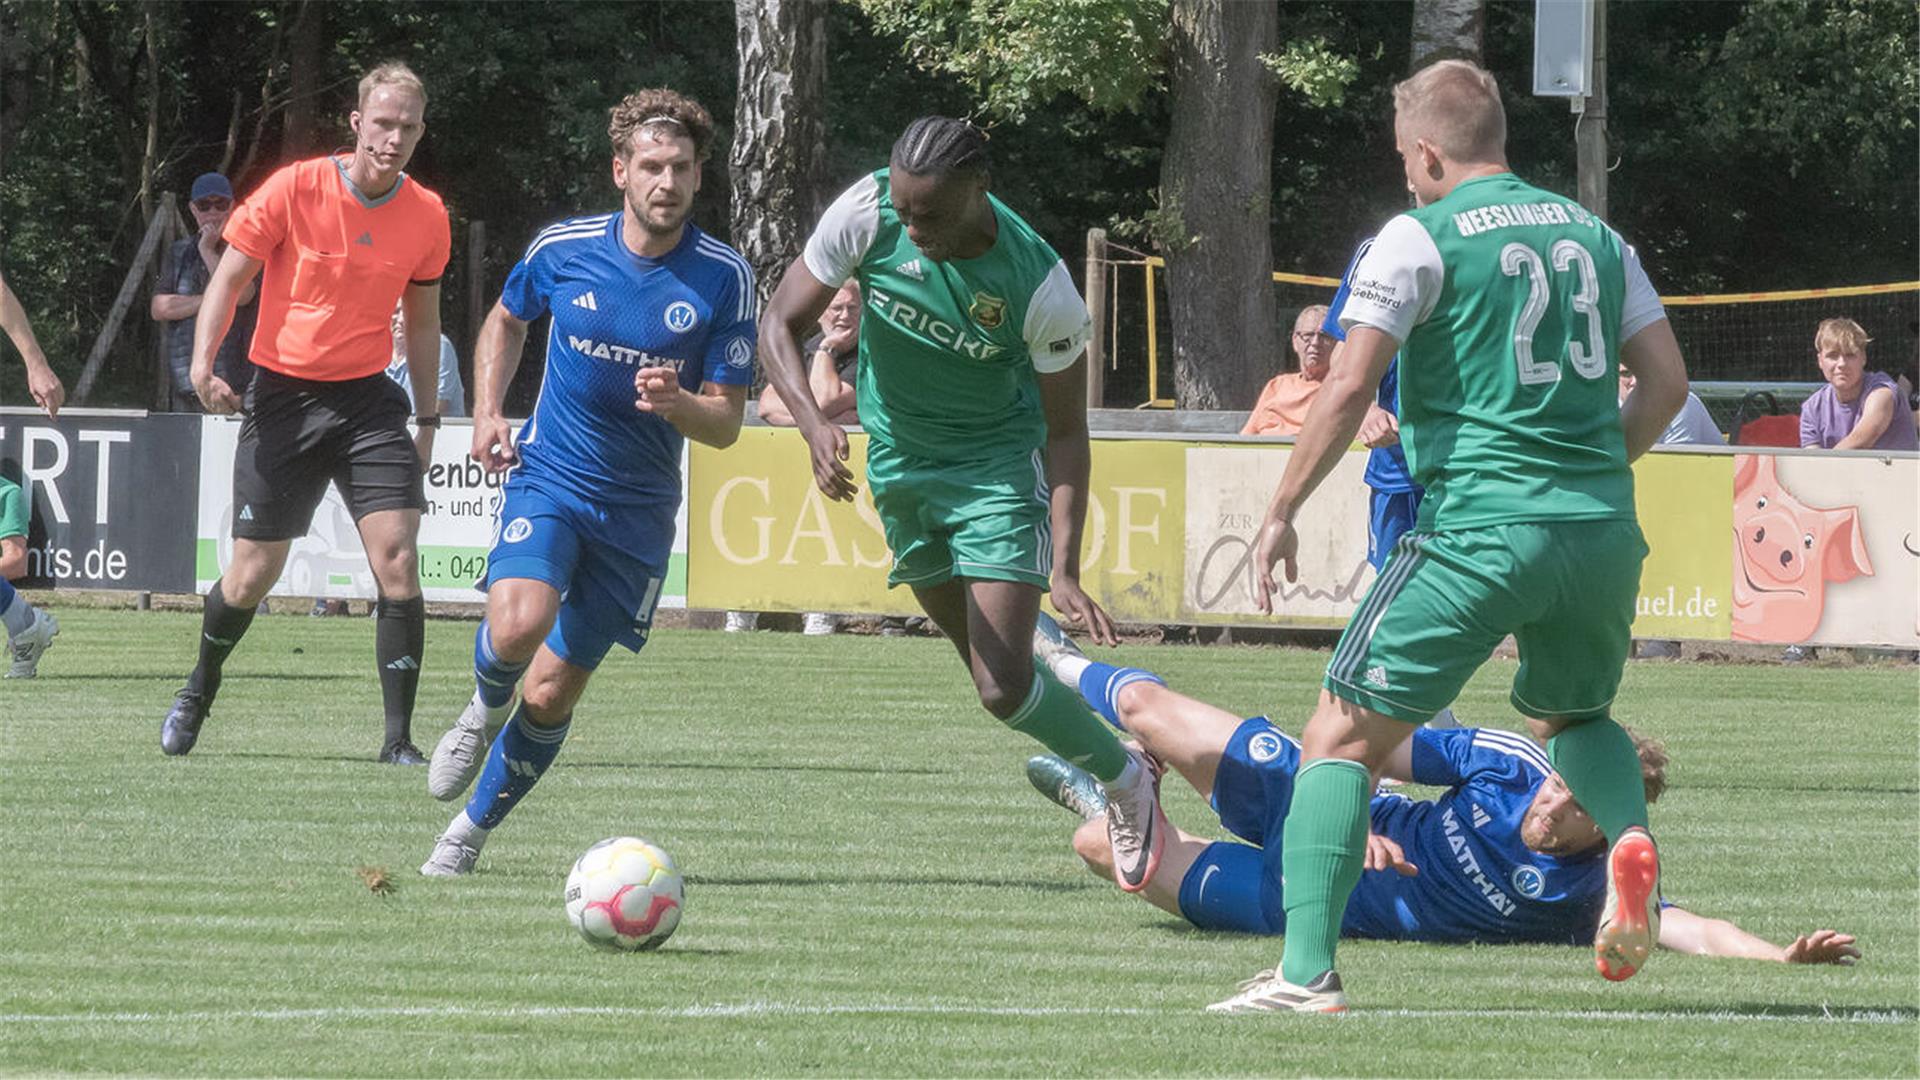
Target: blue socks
1101, 684
515, 763
15, 613
493, 677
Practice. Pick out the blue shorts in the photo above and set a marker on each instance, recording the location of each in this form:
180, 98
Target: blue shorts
607, 562
1235, 886
1394, 513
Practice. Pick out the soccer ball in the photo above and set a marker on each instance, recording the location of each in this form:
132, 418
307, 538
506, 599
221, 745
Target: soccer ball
624, 894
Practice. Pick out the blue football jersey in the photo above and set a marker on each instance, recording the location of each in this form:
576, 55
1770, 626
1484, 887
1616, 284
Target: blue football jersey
615, 312
1386, 465
1477, 881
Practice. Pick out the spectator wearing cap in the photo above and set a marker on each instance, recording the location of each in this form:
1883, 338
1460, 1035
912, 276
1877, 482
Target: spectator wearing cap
1857, 409
176, 296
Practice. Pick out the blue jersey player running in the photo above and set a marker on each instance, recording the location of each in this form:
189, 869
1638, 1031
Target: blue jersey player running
1504, 855
651, 343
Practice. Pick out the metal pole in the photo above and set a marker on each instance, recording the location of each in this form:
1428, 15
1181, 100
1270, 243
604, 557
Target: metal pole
1591, 138
1097, 307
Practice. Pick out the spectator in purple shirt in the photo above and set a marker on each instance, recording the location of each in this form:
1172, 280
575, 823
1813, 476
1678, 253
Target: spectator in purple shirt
1857, 409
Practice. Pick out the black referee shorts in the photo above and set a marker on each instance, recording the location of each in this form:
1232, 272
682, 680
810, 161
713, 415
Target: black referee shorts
300, 433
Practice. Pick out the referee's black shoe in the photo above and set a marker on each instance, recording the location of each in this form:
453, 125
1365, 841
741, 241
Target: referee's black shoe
401, 752
183, 722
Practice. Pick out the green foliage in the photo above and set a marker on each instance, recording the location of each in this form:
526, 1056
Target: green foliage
873, 888
1313, 69
1018, 55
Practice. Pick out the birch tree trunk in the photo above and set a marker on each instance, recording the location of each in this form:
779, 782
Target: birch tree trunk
778, 166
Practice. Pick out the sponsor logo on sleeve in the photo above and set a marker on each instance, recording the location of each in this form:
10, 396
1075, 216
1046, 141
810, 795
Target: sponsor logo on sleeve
740, 353
1376, 292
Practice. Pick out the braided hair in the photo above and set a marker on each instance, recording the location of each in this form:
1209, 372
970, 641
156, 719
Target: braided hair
941, 144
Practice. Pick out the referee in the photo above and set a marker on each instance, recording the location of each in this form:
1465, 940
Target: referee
342, 239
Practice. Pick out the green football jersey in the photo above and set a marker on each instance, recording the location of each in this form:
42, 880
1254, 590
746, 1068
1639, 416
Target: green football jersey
13, 510
949, 350
1510, 304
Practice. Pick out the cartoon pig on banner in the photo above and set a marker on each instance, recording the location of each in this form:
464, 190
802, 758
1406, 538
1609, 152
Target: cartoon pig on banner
1784, 553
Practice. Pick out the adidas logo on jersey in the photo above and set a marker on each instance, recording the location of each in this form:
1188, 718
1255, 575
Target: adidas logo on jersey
364, 238
1377, 676
1480, 817
911, 268
586, 300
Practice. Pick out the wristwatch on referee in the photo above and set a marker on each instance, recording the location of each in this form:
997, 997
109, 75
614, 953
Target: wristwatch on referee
427, 421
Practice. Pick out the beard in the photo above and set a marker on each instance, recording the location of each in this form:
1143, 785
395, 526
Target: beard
661, 221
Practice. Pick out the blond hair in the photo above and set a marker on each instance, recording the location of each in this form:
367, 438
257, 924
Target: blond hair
391, 73
659, 106
1845, 334
1653, 763
1455, 106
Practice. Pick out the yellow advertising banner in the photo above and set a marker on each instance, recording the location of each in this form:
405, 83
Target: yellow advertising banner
761, 537
1829, 556
1686, 587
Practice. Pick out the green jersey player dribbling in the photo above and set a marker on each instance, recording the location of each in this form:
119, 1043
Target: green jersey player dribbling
1511, 308
972, 388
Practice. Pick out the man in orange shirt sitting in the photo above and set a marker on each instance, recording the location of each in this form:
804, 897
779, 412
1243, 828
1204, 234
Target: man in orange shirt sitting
341, 239
1282, 408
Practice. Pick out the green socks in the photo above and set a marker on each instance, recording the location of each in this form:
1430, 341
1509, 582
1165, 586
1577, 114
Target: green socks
1598, 762
1062, 723
1323, 850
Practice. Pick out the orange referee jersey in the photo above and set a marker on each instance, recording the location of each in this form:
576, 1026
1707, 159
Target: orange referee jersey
336, 264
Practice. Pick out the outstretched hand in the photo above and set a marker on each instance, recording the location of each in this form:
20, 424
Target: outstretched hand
1080, 610
1385, 854
827, 446
1278, 543
1822, 947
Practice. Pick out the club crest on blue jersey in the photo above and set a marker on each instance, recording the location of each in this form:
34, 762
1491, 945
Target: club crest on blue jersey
517, 530
681, 316
1529, 882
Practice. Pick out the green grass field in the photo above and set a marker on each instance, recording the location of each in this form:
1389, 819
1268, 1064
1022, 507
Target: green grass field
873, 888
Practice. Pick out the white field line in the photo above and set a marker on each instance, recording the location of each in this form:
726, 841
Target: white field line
774, 1008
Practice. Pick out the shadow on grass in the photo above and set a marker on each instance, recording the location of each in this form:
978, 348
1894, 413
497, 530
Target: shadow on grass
1818, 789
354, 759
178, 675
797, 882
721, 766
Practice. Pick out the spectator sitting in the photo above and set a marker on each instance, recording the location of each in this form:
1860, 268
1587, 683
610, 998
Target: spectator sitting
176, 297
833, 357
452, 392
1692, 426
1284, 401
1857, 409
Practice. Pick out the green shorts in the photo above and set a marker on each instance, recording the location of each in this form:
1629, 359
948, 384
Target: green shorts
985, 519
1565, 590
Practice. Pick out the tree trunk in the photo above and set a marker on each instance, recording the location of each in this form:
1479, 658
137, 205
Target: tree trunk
152, 149
1447, 30
305, 53
778, 161
1216, 200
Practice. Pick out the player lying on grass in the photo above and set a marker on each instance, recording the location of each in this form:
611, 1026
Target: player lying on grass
1504, 855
